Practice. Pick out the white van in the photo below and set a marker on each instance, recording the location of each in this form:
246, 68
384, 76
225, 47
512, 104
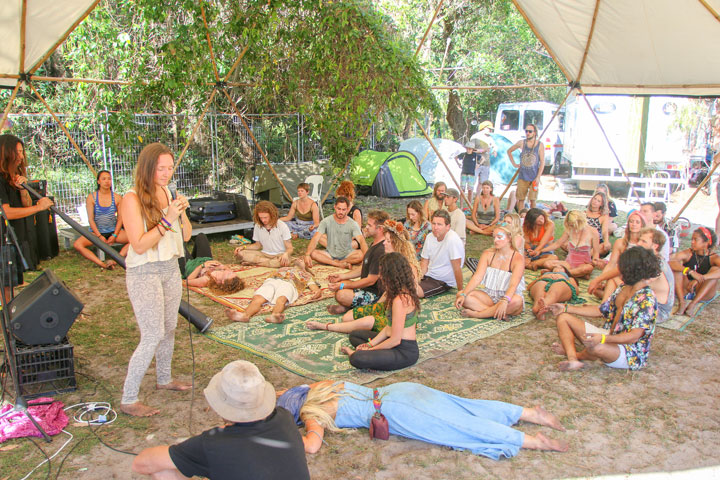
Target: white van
512, 118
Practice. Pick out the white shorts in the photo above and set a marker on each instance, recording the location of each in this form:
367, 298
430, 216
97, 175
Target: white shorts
590, 328
274, 288
621, 361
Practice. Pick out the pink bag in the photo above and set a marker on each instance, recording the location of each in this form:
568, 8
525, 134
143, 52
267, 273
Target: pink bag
379, 427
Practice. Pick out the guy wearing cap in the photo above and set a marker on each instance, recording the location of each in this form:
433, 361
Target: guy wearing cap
457, 217
468, 161
257, 441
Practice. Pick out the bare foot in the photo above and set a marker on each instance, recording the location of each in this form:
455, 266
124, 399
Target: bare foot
466, 312
546, 443
557, 348
138, 409
346, 265
236, 316
541, 416
570, 365
347, 351
175, 386
313, 325
336, 309
692, 308
682, 306
275, 318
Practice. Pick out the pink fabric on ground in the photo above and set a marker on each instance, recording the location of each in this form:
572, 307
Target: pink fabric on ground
51, 417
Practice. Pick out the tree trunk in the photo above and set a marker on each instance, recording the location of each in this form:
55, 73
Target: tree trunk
456, 119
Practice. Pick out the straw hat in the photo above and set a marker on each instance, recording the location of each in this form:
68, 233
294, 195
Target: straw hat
484, 125
240, 393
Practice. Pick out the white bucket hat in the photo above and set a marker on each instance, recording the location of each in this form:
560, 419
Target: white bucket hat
240, 393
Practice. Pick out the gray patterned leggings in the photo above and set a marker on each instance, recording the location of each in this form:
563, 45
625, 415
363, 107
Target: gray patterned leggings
154, 289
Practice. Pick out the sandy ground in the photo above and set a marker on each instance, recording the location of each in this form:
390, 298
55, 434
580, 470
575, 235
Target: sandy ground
663, 418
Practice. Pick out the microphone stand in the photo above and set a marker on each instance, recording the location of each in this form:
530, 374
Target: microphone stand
201, 321
6, 271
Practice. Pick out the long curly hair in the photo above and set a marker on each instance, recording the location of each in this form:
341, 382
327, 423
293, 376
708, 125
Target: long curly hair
398, 279
145, 182
228, 287
604, 209
401, 244
346, 189
8, 158
436, 187
636, 264
264, 206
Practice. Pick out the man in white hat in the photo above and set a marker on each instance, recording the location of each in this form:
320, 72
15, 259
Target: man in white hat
257, 441
484, 146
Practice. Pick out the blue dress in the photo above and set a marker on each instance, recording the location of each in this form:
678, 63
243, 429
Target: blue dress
423, 413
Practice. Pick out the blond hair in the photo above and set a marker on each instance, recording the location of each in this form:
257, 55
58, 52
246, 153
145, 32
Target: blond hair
403, 246
575, 220
515, 224
509, 232
313, 409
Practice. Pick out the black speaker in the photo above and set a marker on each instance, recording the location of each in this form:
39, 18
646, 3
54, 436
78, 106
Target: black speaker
43, 312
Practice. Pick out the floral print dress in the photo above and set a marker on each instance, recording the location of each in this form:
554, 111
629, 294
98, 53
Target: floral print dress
417, 237
640, 311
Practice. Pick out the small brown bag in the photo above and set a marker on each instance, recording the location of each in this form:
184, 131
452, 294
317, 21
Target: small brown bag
378, 423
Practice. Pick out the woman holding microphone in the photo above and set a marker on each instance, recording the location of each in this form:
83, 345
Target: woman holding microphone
156, 228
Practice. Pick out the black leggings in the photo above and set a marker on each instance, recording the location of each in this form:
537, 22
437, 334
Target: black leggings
402, 356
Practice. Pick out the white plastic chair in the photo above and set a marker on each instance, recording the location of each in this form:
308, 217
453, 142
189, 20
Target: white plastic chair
659, 188
316, 186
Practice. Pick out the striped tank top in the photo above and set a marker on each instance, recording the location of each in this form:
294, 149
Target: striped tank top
105, 217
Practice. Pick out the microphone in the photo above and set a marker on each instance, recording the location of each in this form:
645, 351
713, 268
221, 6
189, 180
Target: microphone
172, 186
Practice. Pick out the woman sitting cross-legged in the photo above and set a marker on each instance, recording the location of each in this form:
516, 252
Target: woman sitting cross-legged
539, 231
304, 215
696, 271
373, 317
417, 227
500, 274
630, 313
395, 346
582, 244
555, 286
421, 413
485, 211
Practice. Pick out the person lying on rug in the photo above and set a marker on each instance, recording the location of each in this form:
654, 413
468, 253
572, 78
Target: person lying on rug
271, 245
609, 279
500, 273
373, 317
554, 286
630, 313
202, 271
302, 225
582, 244
539, 231
696, 271
341, 230
420, 413
394, 347
280, 290
366, 289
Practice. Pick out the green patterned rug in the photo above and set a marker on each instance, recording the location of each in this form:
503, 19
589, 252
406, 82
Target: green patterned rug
316, 354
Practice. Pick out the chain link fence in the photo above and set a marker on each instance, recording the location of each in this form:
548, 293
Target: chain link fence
221, 156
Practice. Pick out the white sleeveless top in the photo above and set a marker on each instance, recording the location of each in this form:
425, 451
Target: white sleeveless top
169, 247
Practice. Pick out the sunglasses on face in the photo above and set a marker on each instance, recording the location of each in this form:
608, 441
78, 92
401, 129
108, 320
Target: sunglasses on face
529, 131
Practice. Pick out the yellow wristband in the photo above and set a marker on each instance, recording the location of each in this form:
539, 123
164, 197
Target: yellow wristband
602, 339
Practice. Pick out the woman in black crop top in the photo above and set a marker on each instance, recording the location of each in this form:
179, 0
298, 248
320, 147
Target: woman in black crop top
696, 270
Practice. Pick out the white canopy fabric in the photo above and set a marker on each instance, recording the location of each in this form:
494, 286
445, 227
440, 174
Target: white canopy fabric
47, 23
649, 47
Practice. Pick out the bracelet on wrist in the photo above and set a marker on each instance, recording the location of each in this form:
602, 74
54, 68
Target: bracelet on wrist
462, 293
508, 298
565, 310
160, 231
602, 339
685, 270
342, 285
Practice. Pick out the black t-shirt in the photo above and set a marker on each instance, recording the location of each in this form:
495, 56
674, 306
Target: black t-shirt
612, 208
265, 450
469, 160
371, 266
23, 227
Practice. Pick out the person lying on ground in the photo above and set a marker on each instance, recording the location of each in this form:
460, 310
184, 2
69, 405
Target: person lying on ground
539, 231
272, 246
554, 286
103, 211
436, 200
598, 218
395, 346
605, 284
500, 276
280, 290
200, 270
458, 221
341, 230
245, 401
417, 226
581, 242
415, 411
373, 317
304, 215
366, 289
442, 257
485, 211
696, 270
630, 313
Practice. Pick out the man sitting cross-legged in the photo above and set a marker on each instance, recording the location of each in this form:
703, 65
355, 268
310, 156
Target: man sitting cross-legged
366, 290
630, 314
271, 245
341, 230
442, 257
